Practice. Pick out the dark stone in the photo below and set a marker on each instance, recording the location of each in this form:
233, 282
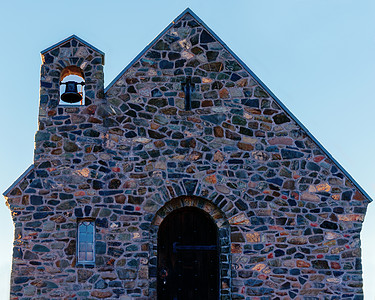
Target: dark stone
36, 200
232, 66
197, 50
250, 102
114, 184
312, 166
155, 135
241, 205
216, 119
67, 205
280, 118
37, 183
235, 77
40, 248
291, 154
237, 120
71, 248
165, 64
161, 45
78, 212
347, 195
65, 196
316, 239
42, 215
205, 37
17, 252
135, 200
102, 223
190, 186
97, 185
237, 237
126, 274
30, 255
100, 284
188, 143
100, 247
212, 67
329, 225
70, 146
21, 279
320, 264
246, 131
153, 54
173, 55
84, 274
91, 133
42, 136
260, 93
253, 282
158, 102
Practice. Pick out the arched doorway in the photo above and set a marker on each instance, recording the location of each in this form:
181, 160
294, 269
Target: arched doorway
188, 256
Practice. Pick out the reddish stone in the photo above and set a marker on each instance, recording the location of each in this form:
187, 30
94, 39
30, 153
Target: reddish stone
281, 141
94, 120
207, 103
335, 265
318, 158
236, 248
245, 147
358, 196
211, 179
303, 264
101, 295
223, 93
218, 131
159, 144
120, 199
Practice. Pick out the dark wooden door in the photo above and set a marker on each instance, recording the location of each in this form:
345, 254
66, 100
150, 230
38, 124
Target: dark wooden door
188, 256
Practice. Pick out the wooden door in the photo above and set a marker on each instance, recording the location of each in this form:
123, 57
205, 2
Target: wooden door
188, 256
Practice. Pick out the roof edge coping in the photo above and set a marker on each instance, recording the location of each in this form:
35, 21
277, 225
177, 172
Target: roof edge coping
18, 180
73, 36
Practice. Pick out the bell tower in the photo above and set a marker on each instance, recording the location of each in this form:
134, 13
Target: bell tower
71, 91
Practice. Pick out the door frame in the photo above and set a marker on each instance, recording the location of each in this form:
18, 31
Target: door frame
224, 243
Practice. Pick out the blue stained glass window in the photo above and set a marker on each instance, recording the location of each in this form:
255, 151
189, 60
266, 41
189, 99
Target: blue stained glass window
86, 237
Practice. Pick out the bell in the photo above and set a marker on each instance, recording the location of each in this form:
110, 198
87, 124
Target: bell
71, 94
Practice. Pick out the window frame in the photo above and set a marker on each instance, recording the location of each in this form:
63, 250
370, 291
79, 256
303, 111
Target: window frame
80, 222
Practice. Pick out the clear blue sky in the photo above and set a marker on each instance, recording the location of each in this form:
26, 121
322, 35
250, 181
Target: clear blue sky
317, 56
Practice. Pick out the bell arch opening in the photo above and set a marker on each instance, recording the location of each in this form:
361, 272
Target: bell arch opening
190, 251
72, 86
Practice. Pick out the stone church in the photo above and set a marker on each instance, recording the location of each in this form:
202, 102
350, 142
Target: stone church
184, 178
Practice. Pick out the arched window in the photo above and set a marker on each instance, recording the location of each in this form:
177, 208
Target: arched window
72, 86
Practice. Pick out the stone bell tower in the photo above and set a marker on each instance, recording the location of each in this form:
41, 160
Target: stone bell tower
63, 128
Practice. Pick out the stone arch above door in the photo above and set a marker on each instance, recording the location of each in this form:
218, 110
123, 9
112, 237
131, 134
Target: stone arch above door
219, 219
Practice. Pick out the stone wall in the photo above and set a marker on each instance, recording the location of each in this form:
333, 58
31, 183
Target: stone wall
290, 218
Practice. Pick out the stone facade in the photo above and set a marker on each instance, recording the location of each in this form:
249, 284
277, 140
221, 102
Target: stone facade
288, 215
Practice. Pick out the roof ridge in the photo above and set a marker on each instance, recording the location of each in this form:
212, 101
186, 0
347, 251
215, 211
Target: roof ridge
73, 36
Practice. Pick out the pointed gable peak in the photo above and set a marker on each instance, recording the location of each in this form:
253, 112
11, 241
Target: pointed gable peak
67, 40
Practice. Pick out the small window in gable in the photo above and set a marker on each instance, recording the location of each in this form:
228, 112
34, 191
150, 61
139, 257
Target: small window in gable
72, 86
86, 242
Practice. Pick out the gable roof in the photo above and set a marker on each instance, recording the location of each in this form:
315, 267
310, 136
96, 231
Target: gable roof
189, 11
148, 47
18, 180
70, 38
